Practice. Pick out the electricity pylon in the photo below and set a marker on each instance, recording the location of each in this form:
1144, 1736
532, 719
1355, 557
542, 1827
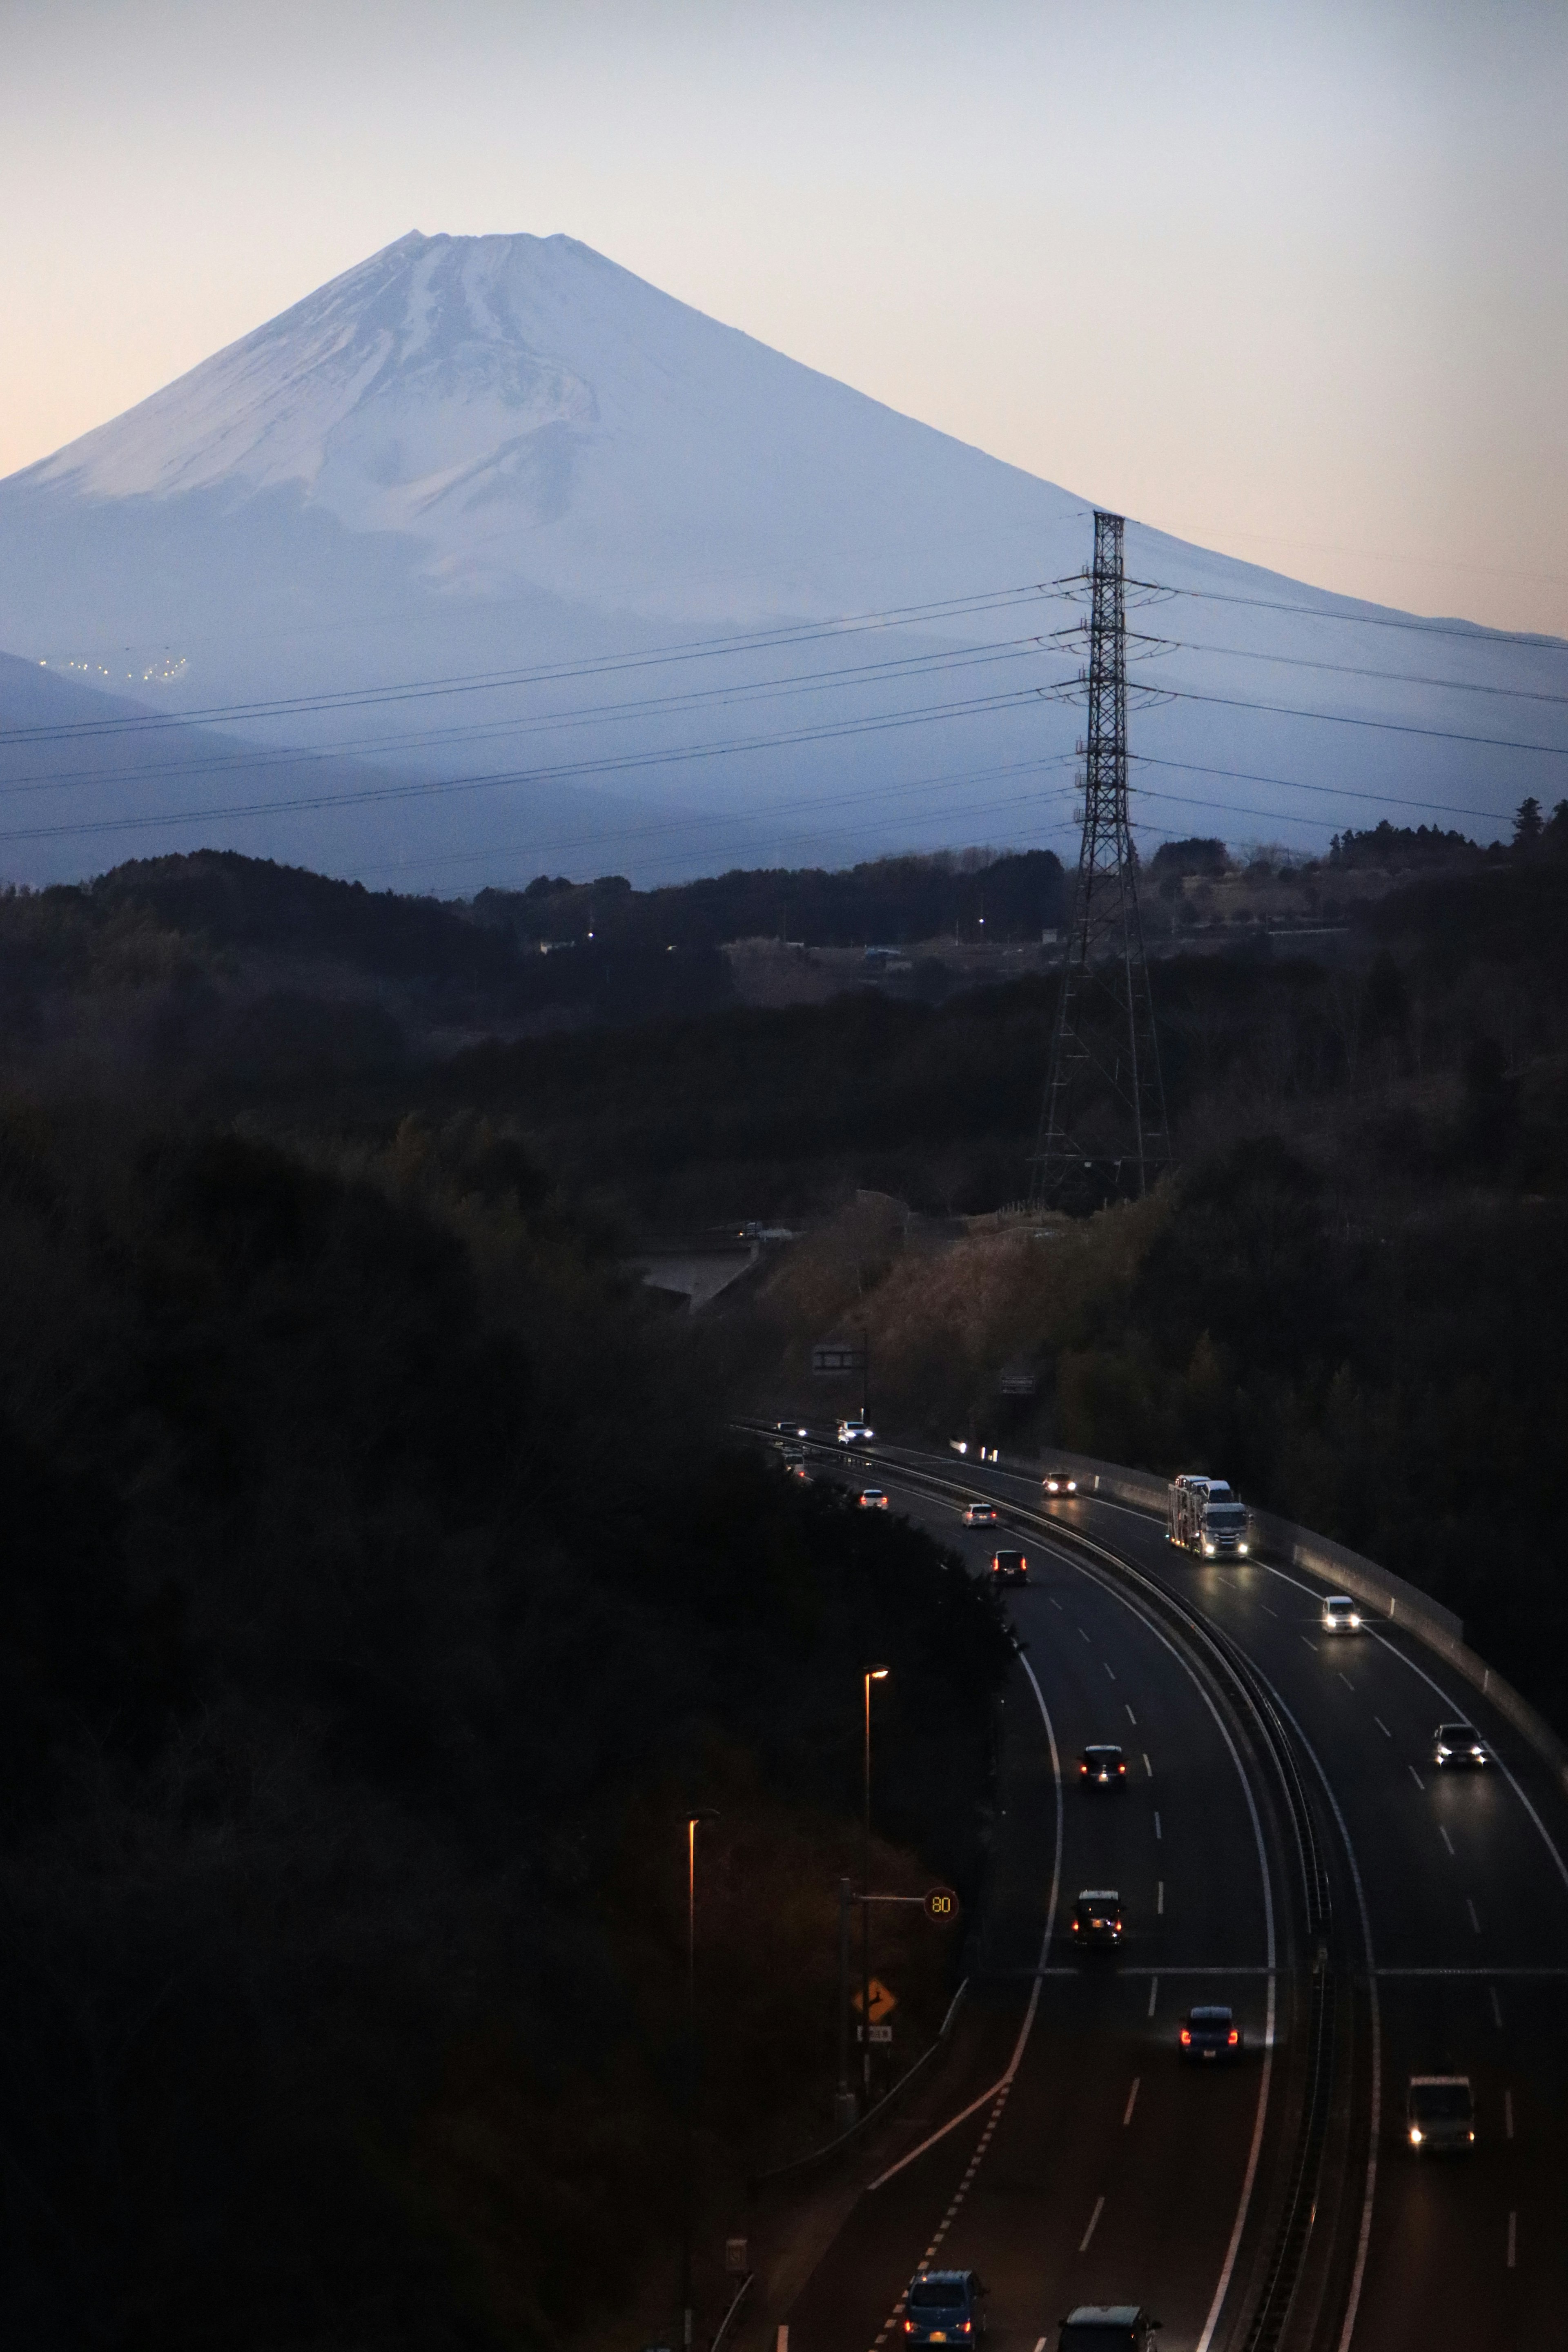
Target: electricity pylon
1103, 1134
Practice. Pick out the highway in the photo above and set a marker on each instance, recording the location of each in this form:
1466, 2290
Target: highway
1106, 2170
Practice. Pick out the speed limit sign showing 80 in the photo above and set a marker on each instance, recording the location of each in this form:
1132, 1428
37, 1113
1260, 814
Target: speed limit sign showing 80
941, 1903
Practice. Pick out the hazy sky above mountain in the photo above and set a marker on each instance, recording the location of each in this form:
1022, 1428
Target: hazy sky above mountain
1290, 281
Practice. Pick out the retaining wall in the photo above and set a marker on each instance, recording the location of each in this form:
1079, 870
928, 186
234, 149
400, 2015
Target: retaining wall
1377, 1588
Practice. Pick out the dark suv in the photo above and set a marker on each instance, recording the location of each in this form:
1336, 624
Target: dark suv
1096, 1917
1107, 2327
943, 2307
1010, 1567
1102, 1764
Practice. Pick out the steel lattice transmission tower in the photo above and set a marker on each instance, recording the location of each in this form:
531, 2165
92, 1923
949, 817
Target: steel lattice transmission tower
1104, 1133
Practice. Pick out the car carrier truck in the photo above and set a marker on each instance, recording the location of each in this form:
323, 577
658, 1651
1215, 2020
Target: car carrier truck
1204, 1517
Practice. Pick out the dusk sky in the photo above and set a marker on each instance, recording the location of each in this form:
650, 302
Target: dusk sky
1290, 282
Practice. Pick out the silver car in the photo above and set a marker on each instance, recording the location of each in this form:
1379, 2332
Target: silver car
1440, 2114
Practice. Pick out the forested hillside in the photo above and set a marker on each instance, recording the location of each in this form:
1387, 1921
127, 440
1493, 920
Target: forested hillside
367, 1649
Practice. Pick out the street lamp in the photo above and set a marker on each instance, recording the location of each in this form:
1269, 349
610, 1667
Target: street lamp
872, 1674
693, 1820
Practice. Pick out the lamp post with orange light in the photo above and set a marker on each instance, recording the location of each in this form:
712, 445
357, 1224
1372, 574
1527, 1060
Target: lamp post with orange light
693, 1822
872, 1674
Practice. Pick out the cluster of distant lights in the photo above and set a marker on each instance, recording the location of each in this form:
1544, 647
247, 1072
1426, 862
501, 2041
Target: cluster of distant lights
157, 673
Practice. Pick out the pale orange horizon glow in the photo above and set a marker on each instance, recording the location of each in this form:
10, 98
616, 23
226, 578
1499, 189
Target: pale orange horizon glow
1291, 283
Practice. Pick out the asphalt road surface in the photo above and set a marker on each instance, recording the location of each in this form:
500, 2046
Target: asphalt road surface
1099, 2166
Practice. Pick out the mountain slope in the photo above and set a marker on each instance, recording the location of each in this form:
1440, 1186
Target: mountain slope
471, 456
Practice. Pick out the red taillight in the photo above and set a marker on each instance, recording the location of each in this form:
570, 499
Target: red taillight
1122, 1767
1083, 1768
1186, 2037
908, 2327
1235, 2037
964, 2327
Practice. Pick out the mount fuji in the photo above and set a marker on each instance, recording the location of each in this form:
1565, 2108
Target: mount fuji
488, 556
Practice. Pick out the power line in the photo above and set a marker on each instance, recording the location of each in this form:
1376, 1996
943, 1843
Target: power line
589, 714
549, 673
1472, 631
1382, 726
425, 788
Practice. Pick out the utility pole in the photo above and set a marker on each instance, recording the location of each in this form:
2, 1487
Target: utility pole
843, 2104
872, 1674
1103, 1131
694, 1821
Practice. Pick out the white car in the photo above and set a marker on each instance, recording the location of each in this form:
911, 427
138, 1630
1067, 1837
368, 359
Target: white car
873, 1499
980, 1515
855, 1432
1341, 1614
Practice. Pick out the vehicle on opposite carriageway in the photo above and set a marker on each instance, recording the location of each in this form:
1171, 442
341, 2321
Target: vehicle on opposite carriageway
1202, 1515
1107, 2327
1440, 2114
1458, 1744
1058, 1482
855, 1432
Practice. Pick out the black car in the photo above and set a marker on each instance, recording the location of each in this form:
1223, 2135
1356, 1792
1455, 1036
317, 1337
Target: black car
1107, 2327
1210, 2033
1010, 1567
1096, 1917
1459, 1744
1103, 1766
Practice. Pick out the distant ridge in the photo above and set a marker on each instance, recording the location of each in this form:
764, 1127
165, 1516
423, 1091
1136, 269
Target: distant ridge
469, 455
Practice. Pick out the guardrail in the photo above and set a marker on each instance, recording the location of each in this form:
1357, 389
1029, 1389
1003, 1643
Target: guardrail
1374, 1586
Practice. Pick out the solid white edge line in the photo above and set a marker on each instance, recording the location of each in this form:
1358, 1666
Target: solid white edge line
1364, 2236
1255, 2151
1004, 2082
1450, 1702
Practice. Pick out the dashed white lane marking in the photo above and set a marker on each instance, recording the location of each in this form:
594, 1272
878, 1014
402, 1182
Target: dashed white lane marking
1507, 2114
997, 2096
1263, 1606
1418, 1781
1310, 1645
1512, 2239
1131, 2101
1099, 2208
1159, 1912
1344, 1678
1081, 1634
1471, 1909
1497, 2021
1148, 1768
1109, 1670
1132, 1719
1158, 1833
1040, 2347
1383, 1727
1058, 1607
1443, 1833
1153, 1989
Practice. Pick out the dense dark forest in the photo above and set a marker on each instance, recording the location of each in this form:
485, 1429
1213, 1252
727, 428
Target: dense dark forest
380, 1595
384, 1588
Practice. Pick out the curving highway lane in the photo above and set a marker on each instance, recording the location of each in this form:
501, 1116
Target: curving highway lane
1080, 2160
